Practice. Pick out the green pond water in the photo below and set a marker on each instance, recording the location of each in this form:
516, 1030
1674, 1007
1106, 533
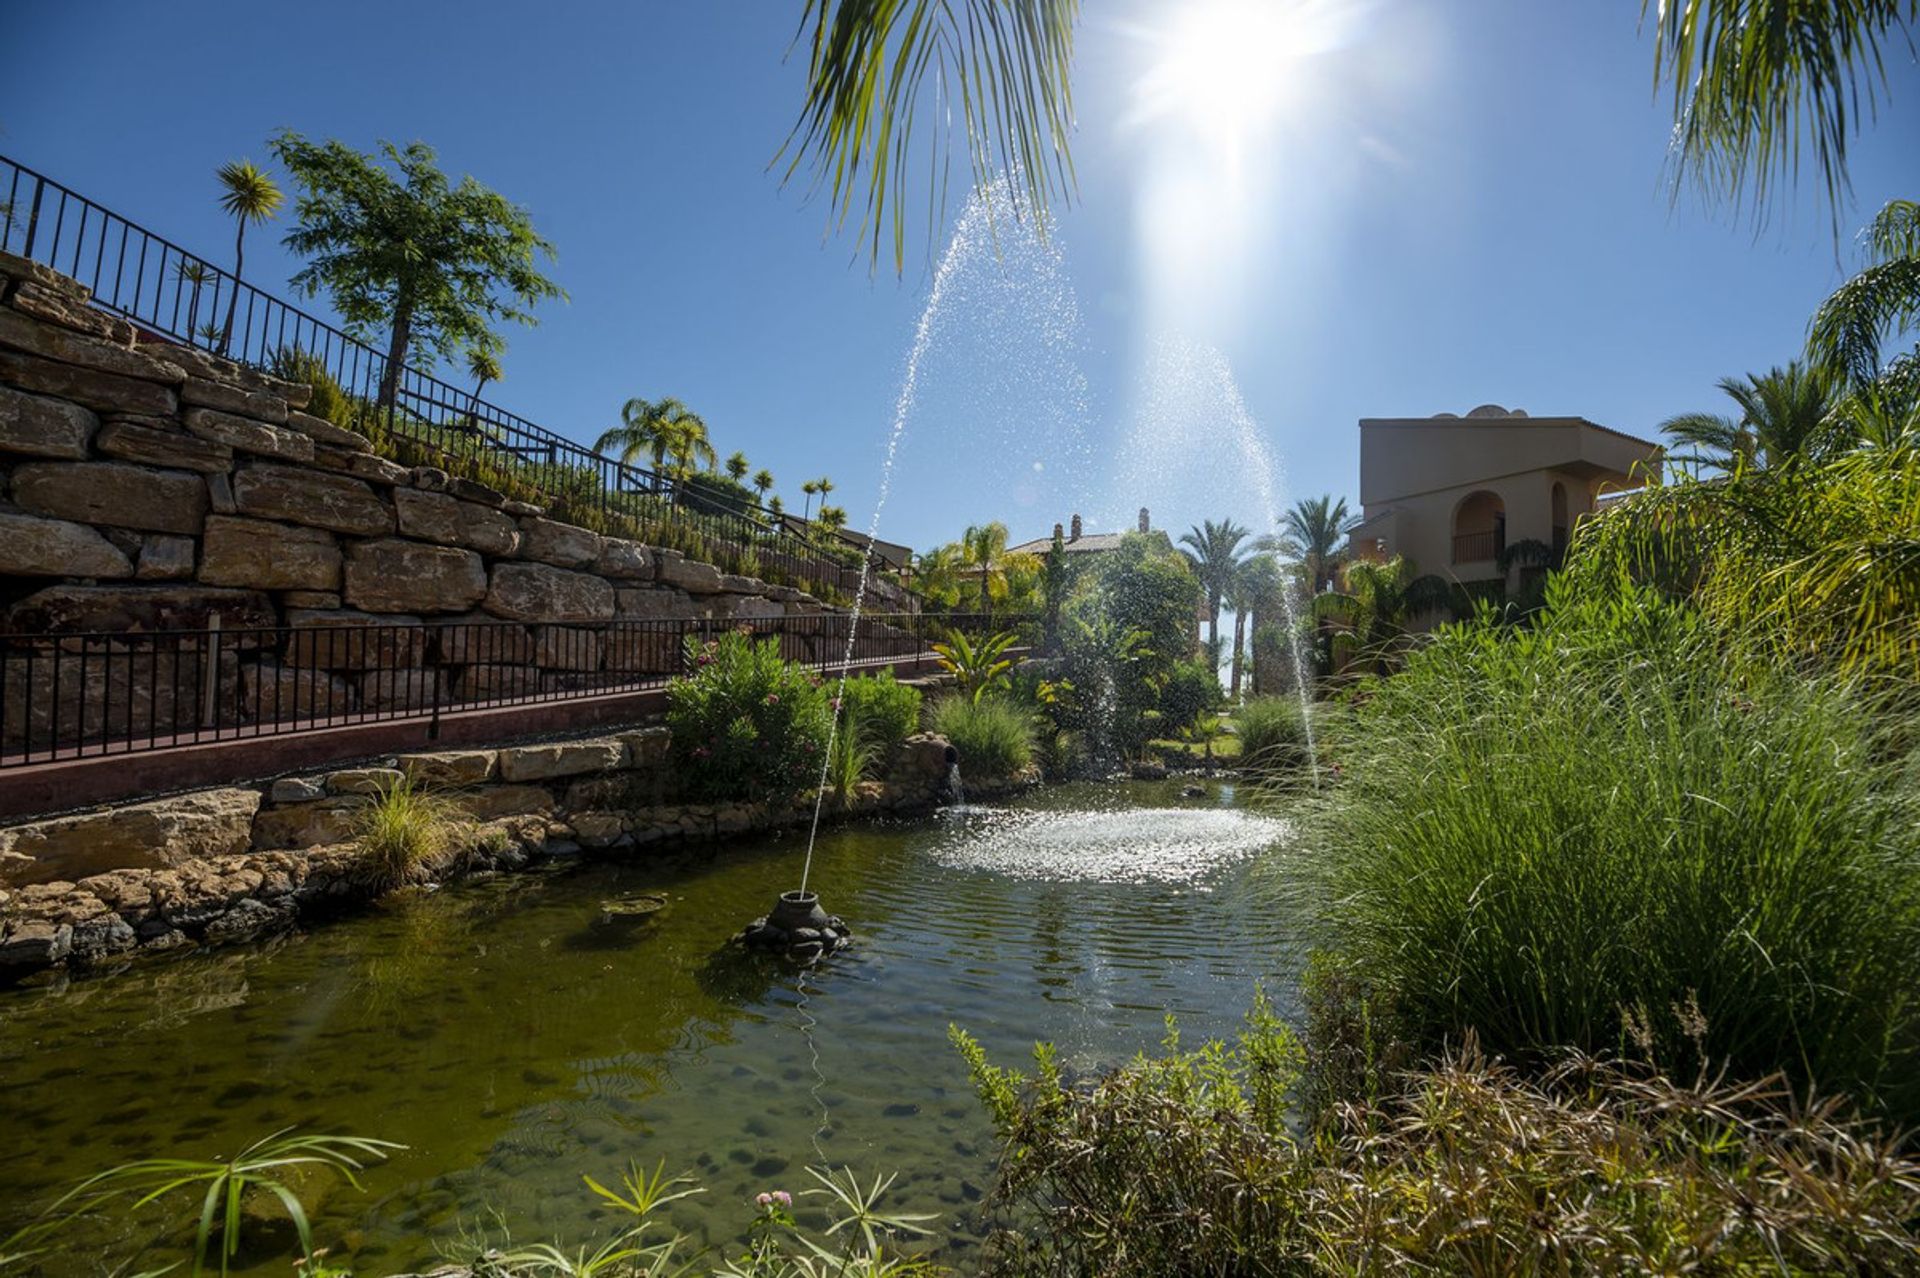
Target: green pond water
512, 1043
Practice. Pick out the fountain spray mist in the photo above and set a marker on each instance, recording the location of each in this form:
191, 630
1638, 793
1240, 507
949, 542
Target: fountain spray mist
973, 222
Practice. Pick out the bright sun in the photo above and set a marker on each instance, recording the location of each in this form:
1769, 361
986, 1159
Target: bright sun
1228, 68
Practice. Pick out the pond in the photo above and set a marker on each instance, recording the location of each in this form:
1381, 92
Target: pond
513, 1042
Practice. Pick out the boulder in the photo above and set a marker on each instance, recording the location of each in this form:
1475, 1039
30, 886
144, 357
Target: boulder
347, 639
113, 493
596, 829
26, 269
137, 441
689, 575
33, 547
363, 780
495, 682
661, 604
479, 637
257, 404
24, 333
248, 435
403, 689
163, 557
69, 311
171, 607
741, 607
644, 651
272, 692
492, 802
267, 556
566, 648
336, 502
624, 560
538, 592
108, 692
475, 491
325, 432
647, 748
562, 545
446, 519
449, 767
102, 392
559, 759
42, 427
307, 825
392, 575
297, 790
310, 598
163, 833
220, 495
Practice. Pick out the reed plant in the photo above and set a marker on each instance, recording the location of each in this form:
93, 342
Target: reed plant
1273, 736
994, 737
1604, 832
407, 835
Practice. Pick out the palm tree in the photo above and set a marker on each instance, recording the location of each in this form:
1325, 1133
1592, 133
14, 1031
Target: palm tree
811, 487
1253, 591
983, 548
248, 196
1378, 601
1313, 531
775, 505
936, 574
197, 275
654, 427
823, 486
762, 482
1884, 298
737, 467
483, 366
832, 518
1784, 413
1214, 551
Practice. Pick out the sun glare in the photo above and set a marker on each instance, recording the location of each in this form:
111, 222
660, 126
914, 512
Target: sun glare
1228, 68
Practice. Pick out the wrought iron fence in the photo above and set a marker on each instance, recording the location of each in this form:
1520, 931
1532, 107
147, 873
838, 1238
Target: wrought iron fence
174, 296
71, 696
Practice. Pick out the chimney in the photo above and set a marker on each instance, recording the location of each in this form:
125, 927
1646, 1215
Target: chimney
1145, 526
1076, 529
1059, 533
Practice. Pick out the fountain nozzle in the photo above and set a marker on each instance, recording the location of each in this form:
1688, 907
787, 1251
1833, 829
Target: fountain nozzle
798, 928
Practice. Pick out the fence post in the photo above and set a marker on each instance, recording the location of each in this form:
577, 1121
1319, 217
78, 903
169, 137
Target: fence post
209, 678
33, 216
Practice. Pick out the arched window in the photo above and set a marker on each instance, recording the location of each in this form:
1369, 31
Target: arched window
1479, 528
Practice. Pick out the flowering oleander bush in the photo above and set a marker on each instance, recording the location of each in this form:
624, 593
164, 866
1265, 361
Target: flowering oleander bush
746, 724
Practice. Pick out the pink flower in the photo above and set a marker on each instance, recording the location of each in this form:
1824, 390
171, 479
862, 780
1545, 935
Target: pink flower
782, 1197
701, 752
773, 698
836, 705
764, 1200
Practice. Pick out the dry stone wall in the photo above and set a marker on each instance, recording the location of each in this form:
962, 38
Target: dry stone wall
145, 485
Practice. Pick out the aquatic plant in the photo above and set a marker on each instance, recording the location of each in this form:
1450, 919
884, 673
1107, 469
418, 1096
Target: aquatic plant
1192, 1162
406, 835
994, 737
1601, 832
746, 724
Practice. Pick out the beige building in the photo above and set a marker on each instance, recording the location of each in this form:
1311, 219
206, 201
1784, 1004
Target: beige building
1450, 493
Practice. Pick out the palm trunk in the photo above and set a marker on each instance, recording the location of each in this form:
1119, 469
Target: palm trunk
1213, 625
986, 597
1239, 641
473, 413
396, 351
233, 301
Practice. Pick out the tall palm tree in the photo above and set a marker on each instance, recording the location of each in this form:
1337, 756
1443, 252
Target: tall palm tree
936, 574
762, 482
656, 428
1253, 594
1375, 607
247, 195
811, 487
1784, 413
1312, 532
1214, 551
823, 486
737, 467
1880, 301
196, 275
483, 366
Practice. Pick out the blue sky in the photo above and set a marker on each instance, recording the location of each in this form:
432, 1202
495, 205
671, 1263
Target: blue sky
1457, 201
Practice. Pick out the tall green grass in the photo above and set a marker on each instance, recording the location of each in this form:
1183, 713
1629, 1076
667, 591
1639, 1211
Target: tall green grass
407, 835
1273, 735
994, 737
1600, 833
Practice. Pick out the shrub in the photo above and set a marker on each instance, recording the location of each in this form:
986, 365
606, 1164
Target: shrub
746, 724
406, 836
888, 709
994, 738
1193, 689
1273, 735
1188, 1163
1600, 833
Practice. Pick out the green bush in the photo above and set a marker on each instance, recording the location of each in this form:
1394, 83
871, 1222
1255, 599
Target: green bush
746, 724
1273, 735
1600, 833
407, 836
888, 710
994, 737
1194, 1162
1192, 690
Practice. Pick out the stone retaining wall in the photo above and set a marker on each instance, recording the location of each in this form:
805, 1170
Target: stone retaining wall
230, 864
146, 485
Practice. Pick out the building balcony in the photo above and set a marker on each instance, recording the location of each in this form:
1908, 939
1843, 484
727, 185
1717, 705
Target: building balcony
1479, 547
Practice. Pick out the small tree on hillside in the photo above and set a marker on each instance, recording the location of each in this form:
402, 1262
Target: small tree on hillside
247, 195
435, 264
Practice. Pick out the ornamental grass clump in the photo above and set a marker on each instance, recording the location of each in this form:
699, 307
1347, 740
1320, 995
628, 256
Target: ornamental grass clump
889, 709
746, 724
1602, 833
1195, 1162
993, 737
1273, 736
406, 836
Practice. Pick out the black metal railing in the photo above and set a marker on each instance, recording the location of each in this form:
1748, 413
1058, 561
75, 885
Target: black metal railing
81, 695
74, 696
174, 296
